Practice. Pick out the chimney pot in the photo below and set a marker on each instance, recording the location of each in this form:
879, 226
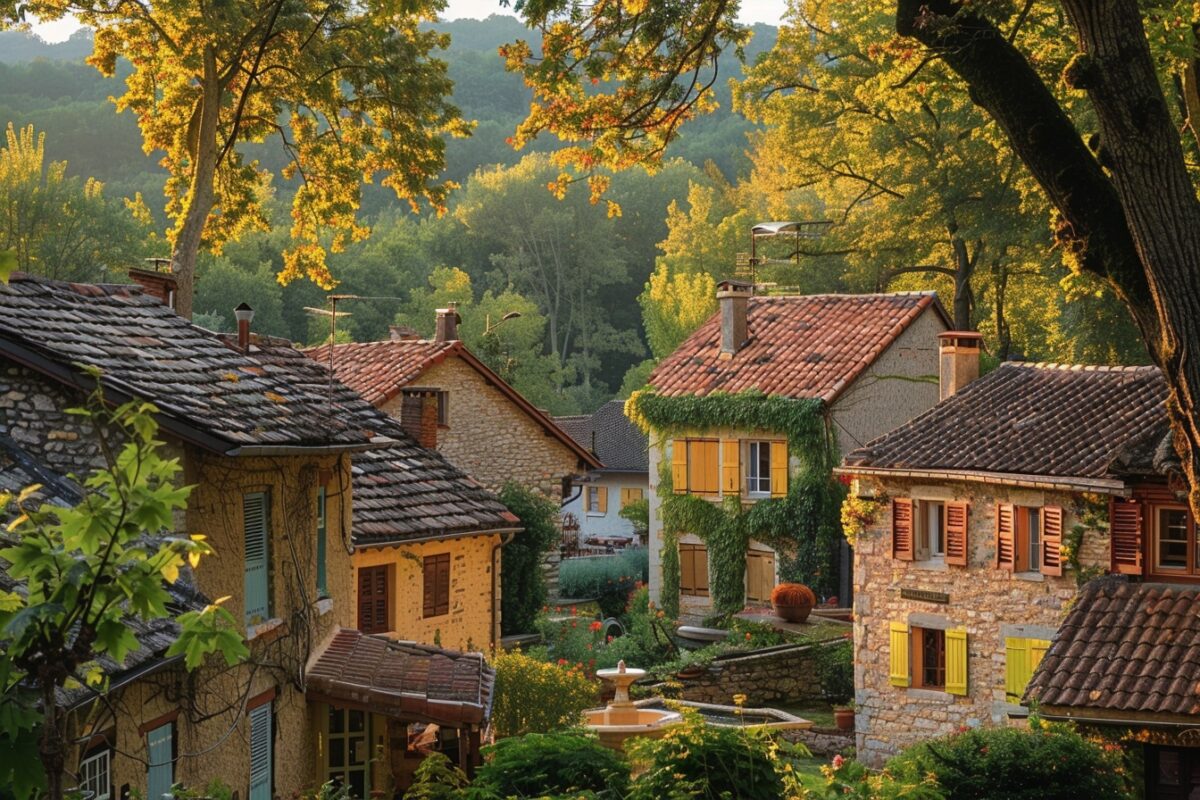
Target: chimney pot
157, 282
958, 360
419, 415
244, 315
447, 323
733, 298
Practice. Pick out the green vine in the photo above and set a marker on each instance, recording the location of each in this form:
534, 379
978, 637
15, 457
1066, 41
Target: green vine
803, 527
1092, 513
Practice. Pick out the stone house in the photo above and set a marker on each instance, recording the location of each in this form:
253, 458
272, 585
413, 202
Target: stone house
269, 449
979, 520
596, 500
869, 359
483, 425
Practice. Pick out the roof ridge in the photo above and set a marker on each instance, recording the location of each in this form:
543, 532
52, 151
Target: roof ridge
854, 295
1064, 367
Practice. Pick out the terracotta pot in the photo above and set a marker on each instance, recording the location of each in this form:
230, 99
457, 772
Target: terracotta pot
792, 613
690, 673
844, 719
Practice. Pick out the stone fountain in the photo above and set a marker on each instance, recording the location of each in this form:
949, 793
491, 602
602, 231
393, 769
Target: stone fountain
622, 718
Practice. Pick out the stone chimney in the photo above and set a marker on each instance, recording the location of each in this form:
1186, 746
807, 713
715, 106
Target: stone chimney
244, 315
158, 281
958, 360
403, 333
733, 297
447, 324
419, 415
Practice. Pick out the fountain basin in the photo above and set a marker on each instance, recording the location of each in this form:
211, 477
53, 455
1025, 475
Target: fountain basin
614, 725
722, 716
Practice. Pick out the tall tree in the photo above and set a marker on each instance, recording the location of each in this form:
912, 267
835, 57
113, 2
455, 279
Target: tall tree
350, 90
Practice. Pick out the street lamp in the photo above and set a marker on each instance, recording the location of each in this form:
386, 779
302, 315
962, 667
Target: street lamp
488, 327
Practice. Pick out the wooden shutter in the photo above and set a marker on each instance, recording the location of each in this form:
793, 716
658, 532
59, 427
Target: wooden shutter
779, 469
1016, 668
687, 569
1006, 536
322, 532
373, 599
160, 770
1125, 528
957, 516
679, 466
1052, 533
898, 656
703, 466
902, 528
1037, 651
255, 526
603, 490
261, 741
436, 598
760, 575
731, 467
956, 661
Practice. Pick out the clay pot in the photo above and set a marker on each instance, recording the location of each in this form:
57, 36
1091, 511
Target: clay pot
690, 673
843, 718
797, 613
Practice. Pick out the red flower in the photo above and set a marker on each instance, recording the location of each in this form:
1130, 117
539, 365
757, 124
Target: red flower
596, 626
574, 624
573, 611
610, 638
562, 662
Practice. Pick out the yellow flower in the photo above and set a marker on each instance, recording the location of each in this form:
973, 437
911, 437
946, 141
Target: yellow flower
739, 699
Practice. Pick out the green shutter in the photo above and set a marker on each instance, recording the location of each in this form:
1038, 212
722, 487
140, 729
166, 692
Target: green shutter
956, 661
322, 586
160, 774
261, 741
256, 524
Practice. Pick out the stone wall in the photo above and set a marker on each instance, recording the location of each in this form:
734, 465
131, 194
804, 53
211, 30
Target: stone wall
991, 604
33, 413
769, 678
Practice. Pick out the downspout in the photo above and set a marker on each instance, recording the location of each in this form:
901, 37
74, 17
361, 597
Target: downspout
504, 539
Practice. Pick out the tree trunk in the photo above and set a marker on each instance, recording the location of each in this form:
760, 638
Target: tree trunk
964, 266
51, 747
201, 195
1003, 333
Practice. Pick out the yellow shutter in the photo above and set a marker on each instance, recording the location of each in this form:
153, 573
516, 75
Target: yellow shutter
956, 661
679, 466
603, 490
704, 466
899, 654
630, 496
687, 569
1037, 650
1016, 668
779, 469
731, 467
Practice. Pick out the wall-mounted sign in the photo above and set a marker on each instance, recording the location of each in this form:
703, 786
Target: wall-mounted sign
925, 596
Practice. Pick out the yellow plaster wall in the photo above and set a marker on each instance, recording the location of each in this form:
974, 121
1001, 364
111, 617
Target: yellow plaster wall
469, 625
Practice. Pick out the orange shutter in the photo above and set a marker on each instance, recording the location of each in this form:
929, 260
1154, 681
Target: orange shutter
731, 468
1052, 533
603, 490
1125, 527
1006, 536
679, 470
779, 469
704, 466
956, 533
902, 528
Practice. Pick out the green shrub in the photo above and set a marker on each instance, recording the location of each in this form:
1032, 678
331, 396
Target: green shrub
553, 764
609, 579
523, 588
533, 696
581, 641
835, 671
697, 760
1046, 761
437, 778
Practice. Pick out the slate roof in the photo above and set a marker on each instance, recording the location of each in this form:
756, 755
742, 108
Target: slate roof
1033, 419
379, 371
1125, 647
404, 679
802, 347
608, 433
19, 469
214, 395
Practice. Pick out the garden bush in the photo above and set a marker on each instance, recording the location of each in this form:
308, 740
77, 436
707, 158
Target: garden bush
835, 671
1046, 761
523, 587
581, 640
534, 696
553, 764
609, 579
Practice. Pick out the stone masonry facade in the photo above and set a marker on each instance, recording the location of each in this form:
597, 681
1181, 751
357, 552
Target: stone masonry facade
991, 604
33, 412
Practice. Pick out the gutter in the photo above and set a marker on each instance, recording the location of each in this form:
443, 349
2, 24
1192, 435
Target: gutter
154, 665
1069, 484
1120, 721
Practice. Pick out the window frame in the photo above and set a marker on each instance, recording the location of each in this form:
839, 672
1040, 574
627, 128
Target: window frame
95, 755
917, 648
591, 494
754, 481
443, 408
924, 550
1189, 568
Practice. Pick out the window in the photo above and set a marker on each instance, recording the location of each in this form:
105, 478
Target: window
261, 742
322, 526
256, 526
346, 754
1172, 544
95, 774
758, 468
693, 570
160, 769
443, 405
437, 585
933, 528
630, 496
1029, 539
597, 499
1021, 658
373, 599
930, 530
760, 576
1033, 537
928, 658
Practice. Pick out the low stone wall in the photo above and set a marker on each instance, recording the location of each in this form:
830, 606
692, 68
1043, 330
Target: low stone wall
823, 741
766, 678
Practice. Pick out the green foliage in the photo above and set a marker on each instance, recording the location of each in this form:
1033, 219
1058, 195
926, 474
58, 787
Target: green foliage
835, 670
674, 305
1046, 761
608, 579
522, 582
565, 764
638, 513
533, 696
847, 779
697, 760
581, 641
437, 778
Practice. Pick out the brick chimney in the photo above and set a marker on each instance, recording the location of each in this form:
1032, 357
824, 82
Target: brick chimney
158, 281
403, 333
733, 297
244, 315
447, 324
419, 415
958, 356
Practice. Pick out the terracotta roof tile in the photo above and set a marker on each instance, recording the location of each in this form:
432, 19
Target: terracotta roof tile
1125, 647
811, 346
1032, 419
379, 370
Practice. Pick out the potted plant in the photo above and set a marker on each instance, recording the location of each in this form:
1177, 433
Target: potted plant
793, 601
835, 670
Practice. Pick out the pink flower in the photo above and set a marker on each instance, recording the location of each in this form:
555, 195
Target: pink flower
838, 761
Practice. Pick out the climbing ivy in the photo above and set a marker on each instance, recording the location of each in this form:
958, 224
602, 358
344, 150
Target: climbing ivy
802, 527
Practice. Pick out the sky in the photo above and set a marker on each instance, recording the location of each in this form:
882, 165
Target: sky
768, 11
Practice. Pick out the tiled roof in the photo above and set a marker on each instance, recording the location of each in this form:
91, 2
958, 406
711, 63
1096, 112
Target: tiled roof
1125, 647
802, 347
222, 398
1030, 419
608, 433
404, 680
380, 370
402, 492
19, 469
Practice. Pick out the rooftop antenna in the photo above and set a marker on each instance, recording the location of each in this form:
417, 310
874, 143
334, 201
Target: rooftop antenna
746, 266
333, 314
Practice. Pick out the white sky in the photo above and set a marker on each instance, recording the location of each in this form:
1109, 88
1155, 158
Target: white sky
768, 11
